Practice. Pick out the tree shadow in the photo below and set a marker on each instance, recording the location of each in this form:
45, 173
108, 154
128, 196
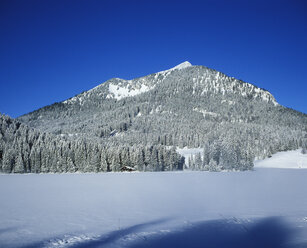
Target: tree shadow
266, 233
116, 235
271, 232
102, 240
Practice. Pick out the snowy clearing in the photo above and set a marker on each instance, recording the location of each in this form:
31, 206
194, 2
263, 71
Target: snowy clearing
188, 153
120, 92
288, 160
261, 208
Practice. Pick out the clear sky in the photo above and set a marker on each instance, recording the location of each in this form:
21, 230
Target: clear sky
53, 50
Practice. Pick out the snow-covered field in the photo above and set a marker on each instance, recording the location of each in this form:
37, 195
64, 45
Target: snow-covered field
287, 160
266, 207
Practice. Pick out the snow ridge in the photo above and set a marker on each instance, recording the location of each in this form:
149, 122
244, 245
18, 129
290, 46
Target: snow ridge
181, 66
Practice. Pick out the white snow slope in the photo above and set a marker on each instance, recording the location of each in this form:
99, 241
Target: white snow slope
290, 159
261, 208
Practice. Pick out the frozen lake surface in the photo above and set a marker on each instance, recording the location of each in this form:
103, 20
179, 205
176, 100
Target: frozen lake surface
266, 207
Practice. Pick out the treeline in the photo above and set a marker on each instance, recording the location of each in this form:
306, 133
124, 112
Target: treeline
25, 150
223, 154
228, 147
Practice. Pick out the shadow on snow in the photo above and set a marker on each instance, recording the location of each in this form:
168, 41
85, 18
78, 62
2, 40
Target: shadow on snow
266, 233
270, 232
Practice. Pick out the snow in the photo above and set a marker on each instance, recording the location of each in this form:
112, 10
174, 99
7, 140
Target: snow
261, 208
181, 66
189, 153
120, 92
205, 112
287, 160
228, 102
133, 88
220, 84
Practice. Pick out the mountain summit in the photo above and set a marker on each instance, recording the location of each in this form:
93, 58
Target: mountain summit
182, 65
136, 122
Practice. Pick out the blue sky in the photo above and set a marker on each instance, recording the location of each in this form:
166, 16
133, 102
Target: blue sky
53, 50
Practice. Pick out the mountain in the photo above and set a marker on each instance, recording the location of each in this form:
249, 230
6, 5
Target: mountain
185, 106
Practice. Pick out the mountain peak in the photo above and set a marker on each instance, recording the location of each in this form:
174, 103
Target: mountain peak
183, 65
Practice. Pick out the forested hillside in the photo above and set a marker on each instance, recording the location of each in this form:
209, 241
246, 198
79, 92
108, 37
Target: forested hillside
138, 123
23, 149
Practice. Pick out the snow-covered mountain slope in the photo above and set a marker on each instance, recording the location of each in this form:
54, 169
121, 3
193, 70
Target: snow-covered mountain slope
287, 160
203, 80
119, 88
